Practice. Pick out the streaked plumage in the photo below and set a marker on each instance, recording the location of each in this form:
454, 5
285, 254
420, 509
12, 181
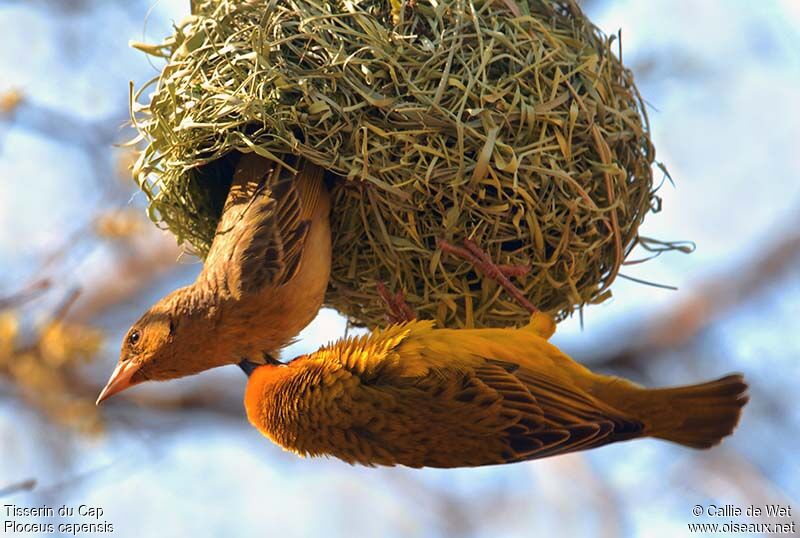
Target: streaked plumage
263, 281
424, 397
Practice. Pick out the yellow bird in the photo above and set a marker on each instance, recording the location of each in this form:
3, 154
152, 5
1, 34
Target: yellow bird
423, 397
263, 281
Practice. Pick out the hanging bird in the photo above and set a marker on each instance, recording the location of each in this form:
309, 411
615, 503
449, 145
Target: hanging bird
263, 281
423, 397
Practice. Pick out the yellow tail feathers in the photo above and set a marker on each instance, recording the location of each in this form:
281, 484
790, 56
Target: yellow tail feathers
697, 416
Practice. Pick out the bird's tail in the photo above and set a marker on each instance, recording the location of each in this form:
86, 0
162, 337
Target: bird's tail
697, 416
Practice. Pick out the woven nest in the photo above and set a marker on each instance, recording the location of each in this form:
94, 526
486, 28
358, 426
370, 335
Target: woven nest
509, 123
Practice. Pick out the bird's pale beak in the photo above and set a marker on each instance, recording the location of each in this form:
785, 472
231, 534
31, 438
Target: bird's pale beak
119, 380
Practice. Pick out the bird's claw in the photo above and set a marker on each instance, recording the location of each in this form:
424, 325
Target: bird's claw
501, 274
398, 310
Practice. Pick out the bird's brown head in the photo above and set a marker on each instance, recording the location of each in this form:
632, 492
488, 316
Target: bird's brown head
165, 343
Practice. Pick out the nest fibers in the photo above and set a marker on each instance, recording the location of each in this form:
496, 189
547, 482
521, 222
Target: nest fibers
508, 122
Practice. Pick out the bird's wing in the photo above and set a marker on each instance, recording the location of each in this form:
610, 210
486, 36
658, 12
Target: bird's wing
583, 420
540, 416
536, 413
261, 233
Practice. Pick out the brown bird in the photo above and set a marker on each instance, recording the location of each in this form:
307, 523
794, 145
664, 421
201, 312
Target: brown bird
423, 397
263, 281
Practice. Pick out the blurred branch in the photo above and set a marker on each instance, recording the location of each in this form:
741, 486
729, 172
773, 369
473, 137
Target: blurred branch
94, 138
68, 129
137, 265
28, 293
203, 397
704, 305
25, 485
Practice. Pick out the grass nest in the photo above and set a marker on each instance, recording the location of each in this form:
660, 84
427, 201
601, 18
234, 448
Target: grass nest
508, 122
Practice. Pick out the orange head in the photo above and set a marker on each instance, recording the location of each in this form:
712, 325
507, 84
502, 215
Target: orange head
172, 339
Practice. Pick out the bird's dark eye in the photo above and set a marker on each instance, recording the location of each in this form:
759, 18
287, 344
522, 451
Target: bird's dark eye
134, 337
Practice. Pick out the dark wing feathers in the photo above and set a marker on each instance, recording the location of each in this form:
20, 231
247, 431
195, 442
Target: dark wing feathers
287, 211
270, 254
568, 404
515, 395
293, 250
260, 237
551, 418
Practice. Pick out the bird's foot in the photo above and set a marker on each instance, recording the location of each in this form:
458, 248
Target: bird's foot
269, 359
499, 273
397, 310
247, 366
